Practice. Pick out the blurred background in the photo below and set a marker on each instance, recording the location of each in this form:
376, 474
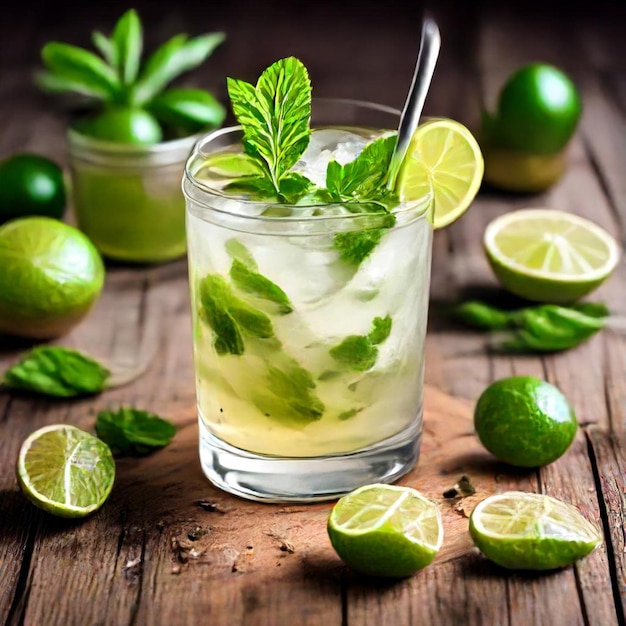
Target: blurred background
364, 50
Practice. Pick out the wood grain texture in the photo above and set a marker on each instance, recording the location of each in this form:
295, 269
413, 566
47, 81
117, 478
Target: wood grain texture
167, 547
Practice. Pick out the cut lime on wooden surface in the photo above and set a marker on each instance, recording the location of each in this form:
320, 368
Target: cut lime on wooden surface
549, 255
385, 530
531, 531
443, 162
65, 471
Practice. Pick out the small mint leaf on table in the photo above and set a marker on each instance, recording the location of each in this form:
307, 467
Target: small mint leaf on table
132, 432
58, 372
275, 116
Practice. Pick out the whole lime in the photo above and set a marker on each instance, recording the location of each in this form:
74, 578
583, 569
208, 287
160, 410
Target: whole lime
31, 185
50, 276
524, 421
123, 125
538, 109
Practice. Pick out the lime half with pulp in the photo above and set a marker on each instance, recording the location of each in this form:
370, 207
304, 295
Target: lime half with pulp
530, 531
385, 530
443, 164
549, 255
65, 471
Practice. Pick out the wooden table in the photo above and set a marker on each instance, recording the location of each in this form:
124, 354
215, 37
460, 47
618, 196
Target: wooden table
168, 548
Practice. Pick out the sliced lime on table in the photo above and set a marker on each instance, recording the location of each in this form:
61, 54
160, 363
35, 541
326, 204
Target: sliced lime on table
65, 471
443, 161
385, 530
549, 255
531, 531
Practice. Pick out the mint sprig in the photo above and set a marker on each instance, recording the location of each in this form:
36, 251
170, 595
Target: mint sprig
275, 116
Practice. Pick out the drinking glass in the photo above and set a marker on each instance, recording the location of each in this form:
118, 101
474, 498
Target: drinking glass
309, 356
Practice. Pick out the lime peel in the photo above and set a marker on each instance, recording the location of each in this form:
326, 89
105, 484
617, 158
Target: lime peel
386, 530
529, 531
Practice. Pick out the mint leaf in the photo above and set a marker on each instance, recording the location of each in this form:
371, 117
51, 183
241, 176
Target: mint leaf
356, 352
131, 432
365, 177
275, 116
381, 327
258, 285
289, 391
230, 317
359, 352
128, 40
355, 246
237, 251
293, 186
56, 371
256, 187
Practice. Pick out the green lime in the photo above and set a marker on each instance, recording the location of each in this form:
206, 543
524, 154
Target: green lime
385, 530
531, 531
538, 109
524, 421
123, 125
31, 185
65, 471
549, 255
50, 276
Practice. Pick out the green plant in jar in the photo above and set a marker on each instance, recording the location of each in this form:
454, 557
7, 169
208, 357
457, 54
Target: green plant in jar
525, 137
130, 137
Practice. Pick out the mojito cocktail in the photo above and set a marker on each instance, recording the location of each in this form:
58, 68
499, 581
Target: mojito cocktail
309, 301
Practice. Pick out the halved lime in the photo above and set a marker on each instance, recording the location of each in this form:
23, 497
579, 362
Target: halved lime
443, 163
385, 530
549, 255
531, 531
65, 471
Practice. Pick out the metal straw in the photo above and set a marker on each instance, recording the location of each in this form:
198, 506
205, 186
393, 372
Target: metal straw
424, 70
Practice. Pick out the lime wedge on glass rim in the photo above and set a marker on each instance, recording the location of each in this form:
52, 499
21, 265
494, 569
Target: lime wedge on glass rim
531, 531
443, 163
549, 255
385, 530
65, 471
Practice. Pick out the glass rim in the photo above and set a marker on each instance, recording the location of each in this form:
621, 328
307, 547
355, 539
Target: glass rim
129, 149
211, 192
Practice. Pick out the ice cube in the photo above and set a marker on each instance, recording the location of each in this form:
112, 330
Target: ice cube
325, 145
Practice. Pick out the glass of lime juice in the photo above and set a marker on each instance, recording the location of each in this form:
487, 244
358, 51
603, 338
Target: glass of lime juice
309, 318
127, 197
